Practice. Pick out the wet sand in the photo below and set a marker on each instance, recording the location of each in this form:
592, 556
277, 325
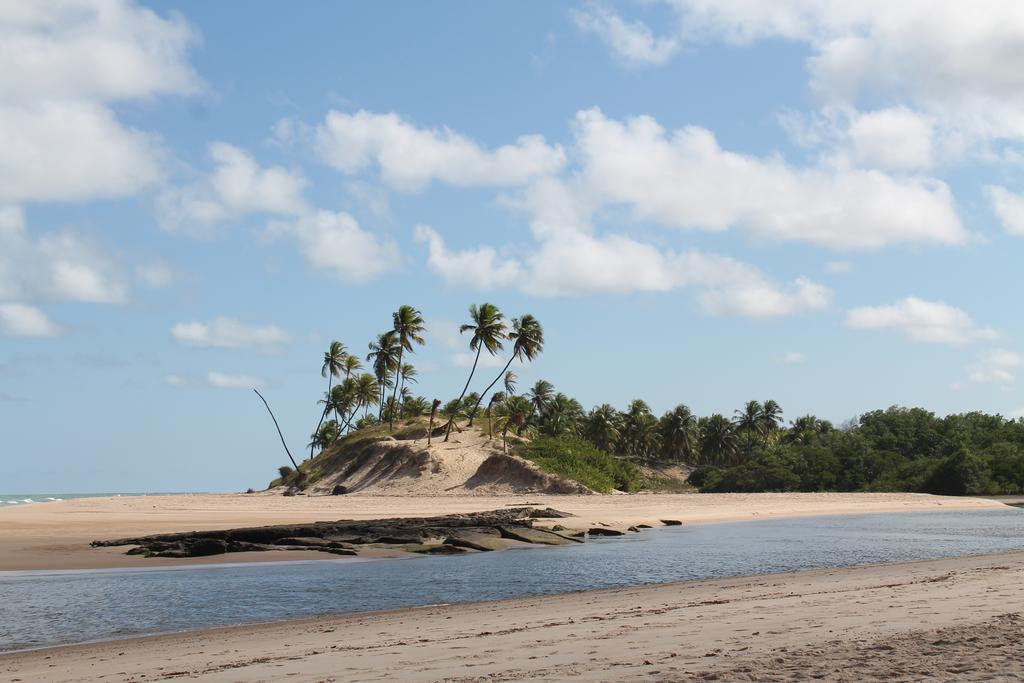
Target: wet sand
56, 535
948, 619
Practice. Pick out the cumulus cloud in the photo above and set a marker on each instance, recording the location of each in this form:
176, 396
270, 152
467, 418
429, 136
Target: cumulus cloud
575, 263
19, 320
685, 179
156, 275
921, 320
228, 333
632, 41
896, 138
62, 66
1009, 207
238, 185
409, 157
226, 381
55, 266
335, 241
957, 62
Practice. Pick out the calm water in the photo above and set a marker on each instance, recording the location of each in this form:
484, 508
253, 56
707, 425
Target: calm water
45, 608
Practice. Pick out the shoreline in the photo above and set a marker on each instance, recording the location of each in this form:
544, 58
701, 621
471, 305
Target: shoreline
678, 629
56, 535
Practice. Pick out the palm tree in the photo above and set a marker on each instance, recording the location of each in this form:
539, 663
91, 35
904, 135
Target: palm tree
563, 416
414, 406
679, 434
640, 431
350, 365
366, 391
510, 383
540, 396
408, 328
527, 338
771, 418
603, 427
749, 419
516, 412
488, 331
334, 357
718, 443
496, 398
384, 355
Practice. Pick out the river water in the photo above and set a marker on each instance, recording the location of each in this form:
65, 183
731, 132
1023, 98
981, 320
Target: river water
47, 608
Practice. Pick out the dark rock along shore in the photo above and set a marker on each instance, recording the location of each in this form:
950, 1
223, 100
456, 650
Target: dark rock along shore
417, 534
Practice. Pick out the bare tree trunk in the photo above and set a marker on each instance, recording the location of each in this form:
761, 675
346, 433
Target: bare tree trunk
433, 412
278, 430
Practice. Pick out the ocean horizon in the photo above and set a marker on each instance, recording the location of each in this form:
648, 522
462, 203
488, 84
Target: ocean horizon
26, 498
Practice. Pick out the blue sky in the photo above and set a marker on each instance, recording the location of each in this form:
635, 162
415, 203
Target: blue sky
810, 202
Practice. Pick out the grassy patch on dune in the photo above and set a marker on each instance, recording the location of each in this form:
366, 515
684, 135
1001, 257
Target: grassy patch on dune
582, 462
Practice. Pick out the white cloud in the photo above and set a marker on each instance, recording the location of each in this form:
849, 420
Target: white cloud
228, 333
1009, 207
410, 157
995, 366
838, 267
574, 263
1017, 414
225, 381
72, 151
335, 241
920, 320
633, 41
238, 185
794, 358
685, 179
175, 380
957, 61
54, 267
156, 275
19, 320
61, 66
894, 138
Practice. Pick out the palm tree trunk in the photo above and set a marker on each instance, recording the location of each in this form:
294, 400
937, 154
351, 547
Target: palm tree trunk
394, 393
278, 430
451, 420
479, 400
327, 406
490, 428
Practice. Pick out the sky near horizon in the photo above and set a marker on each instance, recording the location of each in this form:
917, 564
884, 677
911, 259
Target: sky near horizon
703, 203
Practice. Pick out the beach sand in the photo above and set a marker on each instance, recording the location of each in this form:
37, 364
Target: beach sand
56, 535
949, 619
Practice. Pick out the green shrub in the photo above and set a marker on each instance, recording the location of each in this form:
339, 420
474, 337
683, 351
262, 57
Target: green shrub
581, 461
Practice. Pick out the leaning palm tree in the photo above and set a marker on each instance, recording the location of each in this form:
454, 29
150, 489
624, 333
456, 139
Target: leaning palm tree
516, 413
408, 328
527, 338
384, 352
488, 328
334, 357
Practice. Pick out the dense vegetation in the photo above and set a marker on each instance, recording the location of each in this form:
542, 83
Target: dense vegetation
898, 449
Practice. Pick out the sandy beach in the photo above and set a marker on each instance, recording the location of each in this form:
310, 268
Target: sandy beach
56, 535
949, 619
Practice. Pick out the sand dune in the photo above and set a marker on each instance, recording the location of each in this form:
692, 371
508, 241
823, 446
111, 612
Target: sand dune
863, 623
